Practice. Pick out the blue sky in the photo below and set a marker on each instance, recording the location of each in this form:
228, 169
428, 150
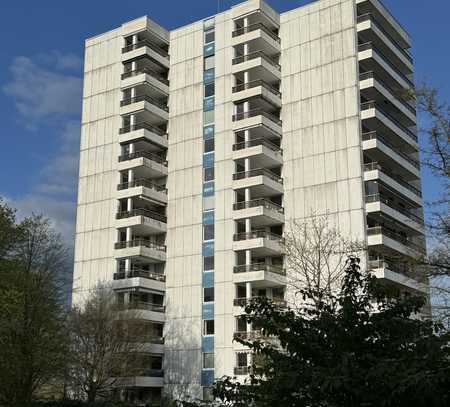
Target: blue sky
40, 83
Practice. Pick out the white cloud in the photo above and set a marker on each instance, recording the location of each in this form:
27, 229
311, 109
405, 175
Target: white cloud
40, 92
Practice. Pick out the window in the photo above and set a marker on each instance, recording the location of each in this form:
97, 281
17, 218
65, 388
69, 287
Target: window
208, 160
208, 174
209, 62
208, 361
208, 327
208, 232
208, 189
208, 145
208, 132
241, 359
208, 263
209, 36
208, 394
208, 117
209, 89
208, 294
208, 104
208, 75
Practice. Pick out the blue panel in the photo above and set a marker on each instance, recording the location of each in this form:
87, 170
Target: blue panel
208, 311
208, 377
208, 104
208, 50
208, 189
208, 344
208, 280
208, 132
208, 249
208, 217
208, 75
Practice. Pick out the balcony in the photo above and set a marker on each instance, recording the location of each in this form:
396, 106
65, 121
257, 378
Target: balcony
376, 118
386, 19
248, 335
369, 30
374, 171
148, 48
146, 163
386, 271
395, 243
242, 370
156, 110
381, 204
379, 146
149, 251
263, 153
143, 131
263, 182
142, 187
258, 64
257, 36
261, 275
261, 242
142, 221
375, 89
242, 302
372, 59
257, 88
262, 212
255, 117
145, 75
138, 278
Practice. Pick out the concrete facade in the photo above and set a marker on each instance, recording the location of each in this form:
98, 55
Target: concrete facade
227, 130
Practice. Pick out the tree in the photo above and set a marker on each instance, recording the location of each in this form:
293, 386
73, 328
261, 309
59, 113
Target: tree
105, 345
32, 317
361, 346
435, 154
316, 253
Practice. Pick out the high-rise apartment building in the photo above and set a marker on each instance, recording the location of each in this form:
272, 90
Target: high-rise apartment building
199, 145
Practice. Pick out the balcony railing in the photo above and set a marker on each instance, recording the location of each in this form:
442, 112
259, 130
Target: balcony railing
147, 71
253, 27
142, 212
256, 112
248, 335
254, 203
145, 126
257, 142
373, 135
140, 242
142, 182
375, 166
253, 55
138, 272
374, 105
257, 234
370, 45
257, 172
147, 306
254, 84
385, 200
242, 302
381, 230
146, 43
146, 154
397, 267
146, 98
248, 268
371, 17
371, 75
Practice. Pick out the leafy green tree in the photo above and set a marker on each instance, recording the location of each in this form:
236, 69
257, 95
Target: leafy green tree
32, 317
363, 346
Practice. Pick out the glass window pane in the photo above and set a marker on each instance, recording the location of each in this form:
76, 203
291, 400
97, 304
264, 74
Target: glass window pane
208, 49
208, 263
208, 132
208, 145
208, 189
208, 160
209, 89
208, 294
208, 104
209, 36
208, 217
209, 23
208, 75
208, 117
209, 62
208, 361
208, 174
208, 394
208, 327
208, 232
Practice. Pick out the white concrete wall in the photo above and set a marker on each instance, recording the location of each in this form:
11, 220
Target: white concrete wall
95, 231
321, 127
184, 236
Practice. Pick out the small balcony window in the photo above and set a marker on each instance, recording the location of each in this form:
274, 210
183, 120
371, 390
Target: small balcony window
208, 327
208, 361
208, 294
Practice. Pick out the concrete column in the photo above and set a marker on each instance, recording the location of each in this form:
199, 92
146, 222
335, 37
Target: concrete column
129, 234
127, 266
133, 92
129, 204
134, 39
132, 119
130, 175
131, 148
